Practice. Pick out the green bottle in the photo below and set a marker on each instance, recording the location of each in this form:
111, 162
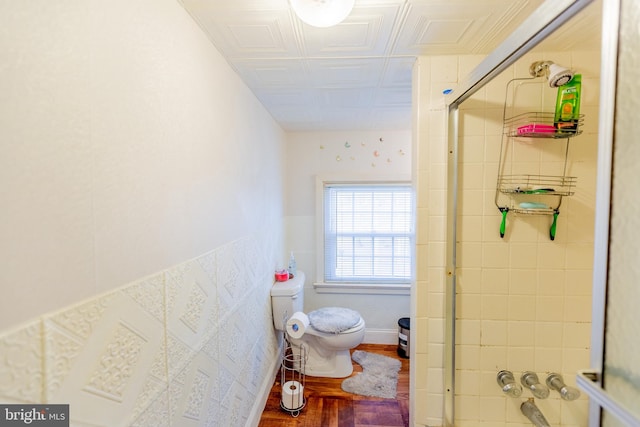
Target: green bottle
568, 105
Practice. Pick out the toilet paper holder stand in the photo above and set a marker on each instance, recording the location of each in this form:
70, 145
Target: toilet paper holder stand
292, 378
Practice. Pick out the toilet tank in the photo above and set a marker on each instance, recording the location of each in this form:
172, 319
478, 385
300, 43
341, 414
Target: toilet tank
286, 299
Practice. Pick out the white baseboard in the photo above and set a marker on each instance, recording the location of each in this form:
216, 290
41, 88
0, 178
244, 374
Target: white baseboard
380, 336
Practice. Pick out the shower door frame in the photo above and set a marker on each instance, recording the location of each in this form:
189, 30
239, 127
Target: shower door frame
551, 15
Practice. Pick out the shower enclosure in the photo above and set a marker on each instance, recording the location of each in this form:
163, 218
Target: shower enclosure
521, 303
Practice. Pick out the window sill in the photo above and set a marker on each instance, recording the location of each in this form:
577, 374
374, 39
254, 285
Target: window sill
361, 288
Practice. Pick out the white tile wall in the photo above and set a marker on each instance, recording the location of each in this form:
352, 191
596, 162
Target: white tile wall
192, 345
524, 302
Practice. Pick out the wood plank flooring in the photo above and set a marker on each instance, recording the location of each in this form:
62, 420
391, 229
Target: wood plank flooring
329, 406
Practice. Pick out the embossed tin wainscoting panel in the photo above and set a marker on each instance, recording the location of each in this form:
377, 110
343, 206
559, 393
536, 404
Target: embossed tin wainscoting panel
192, 345
106, 357
21, 375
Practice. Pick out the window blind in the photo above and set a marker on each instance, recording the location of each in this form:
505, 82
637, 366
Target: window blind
368, 233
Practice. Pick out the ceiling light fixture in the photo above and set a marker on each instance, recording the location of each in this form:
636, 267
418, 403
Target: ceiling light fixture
322, 13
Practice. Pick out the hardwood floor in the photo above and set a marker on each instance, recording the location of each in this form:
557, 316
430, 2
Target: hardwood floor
329, 406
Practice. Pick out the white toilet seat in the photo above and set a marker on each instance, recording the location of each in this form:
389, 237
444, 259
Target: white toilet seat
333, 320
357, 328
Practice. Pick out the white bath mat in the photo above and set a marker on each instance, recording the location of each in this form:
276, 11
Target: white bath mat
379, 376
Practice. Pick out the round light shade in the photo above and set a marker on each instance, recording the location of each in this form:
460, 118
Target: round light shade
322, 13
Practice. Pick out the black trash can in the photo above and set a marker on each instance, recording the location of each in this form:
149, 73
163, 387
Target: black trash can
404, 340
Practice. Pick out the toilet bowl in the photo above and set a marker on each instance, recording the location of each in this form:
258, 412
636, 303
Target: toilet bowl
331, 333
328, 354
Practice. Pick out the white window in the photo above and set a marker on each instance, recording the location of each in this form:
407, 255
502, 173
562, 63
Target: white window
368, 233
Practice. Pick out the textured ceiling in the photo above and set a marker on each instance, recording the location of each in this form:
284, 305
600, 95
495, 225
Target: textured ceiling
356, 75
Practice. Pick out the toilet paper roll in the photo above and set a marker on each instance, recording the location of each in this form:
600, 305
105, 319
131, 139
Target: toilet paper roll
297, 324
292, 395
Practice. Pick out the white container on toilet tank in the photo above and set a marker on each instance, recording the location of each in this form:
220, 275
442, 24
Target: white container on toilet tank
331, 333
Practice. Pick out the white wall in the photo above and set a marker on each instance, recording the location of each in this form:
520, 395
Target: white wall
125, 149
141, 185
360, 153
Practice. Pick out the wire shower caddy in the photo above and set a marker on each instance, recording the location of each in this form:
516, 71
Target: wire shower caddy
531, 193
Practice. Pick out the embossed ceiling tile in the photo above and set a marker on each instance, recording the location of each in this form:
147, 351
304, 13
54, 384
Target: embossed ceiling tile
293, 104
341, 115
292, 120
395, 118
459, 26
347, 98
290, 117
365, 32
117, 362
398, 72
21, 375
192, 308
249, 31
346, 73
271, 73
321, 125
393, 97
239, 32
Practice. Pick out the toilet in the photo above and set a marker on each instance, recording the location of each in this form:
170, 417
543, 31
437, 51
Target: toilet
331, 333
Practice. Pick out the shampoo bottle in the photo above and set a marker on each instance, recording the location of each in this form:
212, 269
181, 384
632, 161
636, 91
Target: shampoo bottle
567, 113
292, 265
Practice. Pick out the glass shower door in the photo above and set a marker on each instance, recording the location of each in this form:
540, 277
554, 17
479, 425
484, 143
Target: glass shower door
621, 374
614, 383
